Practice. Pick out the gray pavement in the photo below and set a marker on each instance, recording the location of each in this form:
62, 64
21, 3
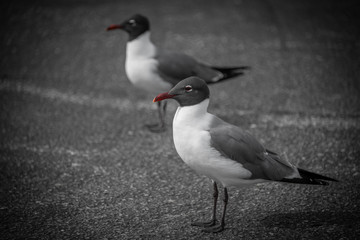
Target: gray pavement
77, 163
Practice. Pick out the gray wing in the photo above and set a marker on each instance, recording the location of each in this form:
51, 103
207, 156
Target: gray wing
240, 146
174, 67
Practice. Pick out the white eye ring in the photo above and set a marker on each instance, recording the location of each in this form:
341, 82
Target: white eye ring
188, 88
132, 22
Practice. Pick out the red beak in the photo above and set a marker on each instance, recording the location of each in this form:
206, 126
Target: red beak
114, 26
162, 96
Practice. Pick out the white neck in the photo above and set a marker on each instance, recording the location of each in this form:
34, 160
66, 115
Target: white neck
141, 47
193, 116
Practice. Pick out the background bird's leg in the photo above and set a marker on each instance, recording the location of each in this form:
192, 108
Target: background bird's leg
159, 127
212, 222
220, 227
162, 118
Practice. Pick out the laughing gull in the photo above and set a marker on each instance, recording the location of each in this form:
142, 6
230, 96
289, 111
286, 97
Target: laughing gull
154, 70
223, 152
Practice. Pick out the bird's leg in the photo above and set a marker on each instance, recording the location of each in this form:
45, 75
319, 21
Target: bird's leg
162, 118
164, 109
221, 227
212, 222
160, 127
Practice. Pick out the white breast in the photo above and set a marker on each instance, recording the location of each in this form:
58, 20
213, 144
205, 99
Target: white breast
141, 66
192, 142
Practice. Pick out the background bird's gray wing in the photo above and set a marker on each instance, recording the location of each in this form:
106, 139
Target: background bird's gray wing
174, 67
240, 146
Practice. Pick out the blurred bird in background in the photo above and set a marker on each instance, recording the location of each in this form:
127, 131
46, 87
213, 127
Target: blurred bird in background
154, 70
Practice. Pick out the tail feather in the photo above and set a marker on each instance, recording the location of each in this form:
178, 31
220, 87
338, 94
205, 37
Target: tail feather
309, 178
230, 72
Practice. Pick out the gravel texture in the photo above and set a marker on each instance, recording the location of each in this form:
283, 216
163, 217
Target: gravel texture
78, 163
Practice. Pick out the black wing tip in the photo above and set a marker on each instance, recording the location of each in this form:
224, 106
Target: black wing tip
231, 68
309, 181
307, 174
230, 72
309, 178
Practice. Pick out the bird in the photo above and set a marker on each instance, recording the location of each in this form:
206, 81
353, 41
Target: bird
153, 69
223, 152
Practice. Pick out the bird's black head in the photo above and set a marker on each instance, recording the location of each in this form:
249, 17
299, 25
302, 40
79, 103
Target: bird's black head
135, 26
188, 92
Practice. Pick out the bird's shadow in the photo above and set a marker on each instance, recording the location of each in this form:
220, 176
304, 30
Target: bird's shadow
298, 220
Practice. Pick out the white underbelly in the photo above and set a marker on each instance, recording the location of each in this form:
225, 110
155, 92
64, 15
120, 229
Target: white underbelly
142, 74
194, 148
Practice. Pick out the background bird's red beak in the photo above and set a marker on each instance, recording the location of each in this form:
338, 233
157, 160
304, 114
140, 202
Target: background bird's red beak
162, 96
114, 26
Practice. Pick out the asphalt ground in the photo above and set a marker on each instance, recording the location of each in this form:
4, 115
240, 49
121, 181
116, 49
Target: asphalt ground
78, 163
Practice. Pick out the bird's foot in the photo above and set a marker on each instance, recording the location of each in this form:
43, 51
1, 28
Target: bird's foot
156, 128
204, 224
214, 229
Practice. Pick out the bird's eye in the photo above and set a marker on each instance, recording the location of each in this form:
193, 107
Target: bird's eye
188, 88
132, 22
